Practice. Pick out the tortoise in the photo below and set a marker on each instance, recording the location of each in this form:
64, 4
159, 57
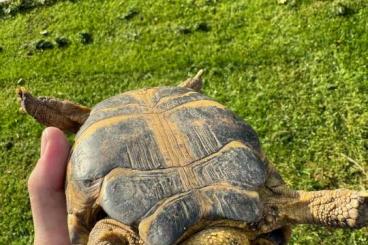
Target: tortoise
169, 165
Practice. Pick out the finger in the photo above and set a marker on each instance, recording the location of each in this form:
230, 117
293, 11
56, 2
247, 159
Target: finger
51, 167
46, 189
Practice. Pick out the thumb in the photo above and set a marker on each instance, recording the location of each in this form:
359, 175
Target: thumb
46, 189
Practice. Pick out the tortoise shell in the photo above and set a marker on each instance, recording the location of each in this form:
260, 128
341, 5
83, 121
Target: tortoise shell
169, 165
168, 158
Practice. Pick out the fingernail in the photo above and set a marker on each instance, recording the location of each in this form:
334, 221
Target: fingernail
44, 141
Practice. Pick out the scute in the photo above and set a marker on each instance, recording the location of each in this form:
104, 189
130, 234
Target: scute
117, 101
209, 128
180, 100
197, 124
125, 190
163, 92
237, 165
127, 144
177, 214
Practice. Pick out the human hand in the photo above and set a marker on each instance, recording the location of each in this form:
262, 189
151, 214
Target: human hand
46, 190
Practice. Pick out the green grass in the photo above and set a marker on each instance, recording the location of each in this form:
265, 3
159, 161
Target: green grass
298, 73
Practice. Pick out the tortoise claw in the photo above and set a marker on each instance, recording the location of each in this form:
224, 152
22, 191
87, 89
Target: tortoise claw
22, 95
63, 114
334, 208
359, 215
339, 208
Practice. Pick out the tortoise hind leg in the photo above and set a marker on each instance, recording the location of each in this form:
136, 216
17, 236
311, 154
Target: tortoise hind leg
279, 236
218, 236
80, 222
194, 83
78, 233
83, 209
110, 231
63, 114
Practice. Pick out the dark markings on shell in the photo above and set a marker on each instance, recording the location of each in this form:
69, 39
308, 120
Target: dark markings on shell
237, 166
127, 103
112, 112
169, 222
117, 101
209, 128
163, 153
172, 220
131, 105
129, 144
130, 194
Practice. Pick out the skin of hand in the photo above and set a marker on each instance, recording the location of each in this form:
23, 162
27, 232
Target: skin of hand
46, 190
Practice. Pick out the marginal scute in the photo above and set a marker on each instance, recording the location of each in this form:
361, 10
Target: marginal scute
164, 92
103, 114
180, 100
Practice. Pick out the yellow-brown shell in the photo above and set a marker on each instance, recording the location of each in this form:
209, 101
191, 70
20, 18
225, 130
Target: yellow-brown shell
172, 149
155, 129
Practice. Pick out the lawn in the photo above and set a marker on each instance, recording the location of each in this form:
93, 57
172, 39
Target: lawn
297, 72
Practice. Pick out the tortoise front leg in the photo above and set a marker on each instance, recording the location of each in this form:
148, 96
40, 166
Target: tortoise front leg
63, 114
334, 208
110, 231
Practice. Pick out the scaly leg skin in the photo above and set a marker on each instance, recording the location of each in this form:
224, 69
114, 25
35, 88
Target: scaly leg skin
338, 208
333, 208
112, 232
194, 83
218, 236
63, 114
77, 232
